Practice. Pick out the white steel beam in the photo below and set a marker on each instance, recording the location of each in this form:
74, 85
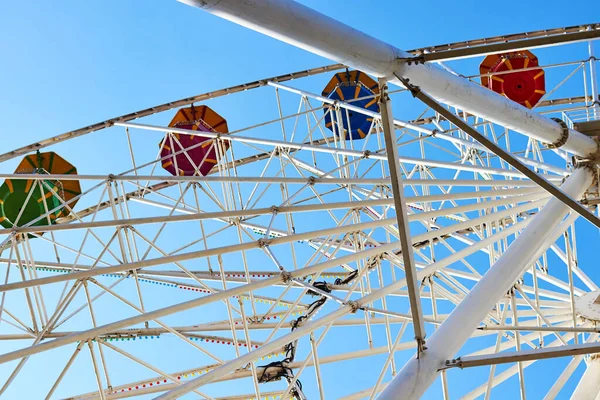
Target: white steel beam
310, 30
418, 374
588, 387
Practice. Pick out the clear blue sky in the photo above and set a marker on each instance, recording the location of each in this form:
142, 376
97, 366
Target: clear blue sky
72, 63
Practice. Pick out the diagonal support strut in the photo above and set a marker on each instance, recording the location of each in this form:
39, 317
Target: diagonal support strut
509, 158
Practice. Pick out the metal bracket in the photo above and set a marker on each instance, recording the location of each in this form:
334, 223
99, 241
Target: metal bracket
286, 277
420, 59
455, 362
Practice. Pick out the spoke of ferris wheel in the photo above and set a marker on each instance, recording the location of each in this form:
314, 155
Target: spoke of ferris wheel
580, 274
242, 373
416, 216
240, 179
459, 182
329, 150
544, 244
550, 279
434, 134
197, 302
504, 375
154, 276
232, 248
526, 355
509, 195
419, 238
559, 323
588, 386
497, 349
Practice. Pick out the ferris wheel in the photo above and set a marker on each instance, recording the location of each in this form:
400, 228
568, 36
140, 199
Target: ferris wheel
323, 247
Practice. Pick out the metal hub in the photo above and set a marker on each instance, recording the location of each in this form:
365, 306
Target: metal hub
588, 306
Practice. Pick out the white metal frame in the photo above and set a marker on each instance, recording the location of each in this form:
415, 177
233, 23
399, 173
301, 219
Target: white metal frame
367, 223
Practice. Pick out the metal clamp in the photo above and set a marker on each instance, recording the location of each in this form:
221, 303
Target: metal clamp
354, 306
563, 137
286, 277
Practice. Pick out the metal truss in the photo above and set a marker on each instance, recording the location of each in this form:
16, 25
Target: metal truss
301, 259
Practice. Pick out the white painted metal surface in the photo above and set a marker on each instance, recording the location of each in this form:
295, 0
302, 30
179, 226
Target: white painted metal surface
588, 306
290, 195
305, 28
588, 387
418, 374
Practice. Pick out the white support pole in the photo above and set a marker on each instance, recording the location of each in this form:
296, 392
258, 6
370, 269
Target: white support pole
588, 387
305, 28
418, 374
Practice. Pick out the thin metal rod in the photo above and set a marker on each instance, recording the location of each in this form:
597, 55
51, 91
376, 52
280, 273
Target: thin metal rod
193, 216
257, 244
65, 369
524, 355
322, 149
401, 217
510, 38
